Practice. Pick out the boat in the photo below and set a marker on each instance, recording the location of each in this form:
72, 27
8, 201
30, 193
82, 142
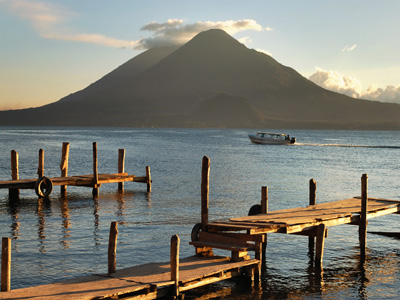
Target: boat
269, 138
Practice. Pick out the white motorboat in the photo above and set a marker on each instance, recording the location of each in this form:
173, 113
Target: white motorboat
269, 138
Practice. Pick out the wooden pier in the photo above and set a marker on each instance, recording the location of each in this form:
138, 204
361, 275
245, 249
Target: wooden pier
243, 234
43, 185
237, 235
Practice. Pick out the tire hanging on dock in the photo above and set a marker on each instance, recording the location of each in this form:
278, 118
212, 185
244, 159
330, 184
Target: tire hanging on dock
43, 186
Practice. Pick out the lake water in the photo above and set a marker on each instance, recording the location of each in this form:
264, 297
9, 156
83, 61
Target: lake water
62, 238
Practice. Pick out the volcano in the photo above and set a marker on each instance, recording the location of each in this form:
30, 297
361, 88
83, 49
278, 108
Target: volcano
211, 81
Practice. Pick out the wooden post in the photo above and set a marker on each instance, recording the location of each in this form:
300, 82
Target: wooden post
121, 166
148, 176
6, 264
175, 241
264, 199
264, 210
95, 171
319, 251
205, 187
112, 248
14, 173
64, 165
40, 171
312, 201
362, 231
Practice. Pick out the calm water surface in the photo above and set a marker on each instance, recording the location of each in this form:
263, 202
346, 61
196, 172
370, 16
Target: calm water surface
62, 238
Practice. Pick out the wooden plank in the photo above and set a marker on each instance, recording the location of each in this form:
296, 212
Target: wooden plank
220, 239
142, 279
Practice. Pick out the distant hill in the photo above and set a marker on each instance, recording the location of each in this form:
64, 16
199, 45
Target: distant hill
211, 81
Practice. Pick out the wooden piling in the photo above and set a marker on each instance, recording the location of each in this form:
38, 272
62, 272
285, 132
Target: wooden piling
363, 216
148, 177
112, 248
121, 166
14, 173
40, 171
175, 243
264, 210
312, 201
205, 186
5, 264
264, 200
95, 171
319, 251
64, 165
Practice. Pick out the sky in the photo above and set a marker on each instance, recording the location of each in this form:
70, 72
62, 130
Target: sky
49, 49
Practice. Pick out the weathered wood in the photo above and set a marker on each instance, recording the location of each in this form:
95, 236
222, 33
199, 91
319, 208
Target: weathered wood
175, 243
112, 248
121, 166
363, 216
95, 171
148, 179
312, 201
320, 242
14, 173
5, 264
147, 281
40, 171
264, 210
264, 199
205, 186
64, 165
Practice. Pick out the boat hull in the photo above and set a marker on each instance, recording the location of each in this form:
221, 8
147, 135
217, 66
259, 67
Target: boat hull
266, 141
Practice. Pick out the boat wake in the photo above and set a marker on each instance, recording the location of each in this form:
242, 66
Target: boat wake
350, 146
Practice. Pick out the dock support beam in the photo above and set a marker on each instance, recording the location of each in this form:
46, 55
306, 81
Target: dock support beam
312, 201
14, 193
205, 187
112, 248
95, 171
319, 251
264, 210
64, 166
40, 171
363, 216
6, 264
175, 243
121, 167
148, 177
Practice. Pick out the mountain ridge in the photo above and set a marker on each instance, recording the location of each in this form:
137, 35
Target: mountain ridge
177, 86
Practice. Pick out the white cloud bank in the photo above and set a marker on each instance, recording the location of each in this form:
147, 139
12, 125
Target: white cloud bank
351, 86
50, 21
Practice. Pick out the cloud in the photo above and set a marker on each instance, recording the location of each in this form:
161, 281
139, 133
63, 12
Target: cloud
51, 20
175, 32
334, 81
388, 94
349, 48
351, 86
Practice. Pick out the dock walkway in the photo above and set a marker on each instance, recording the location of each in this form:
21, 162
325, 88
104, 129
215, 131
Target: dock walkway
149, 281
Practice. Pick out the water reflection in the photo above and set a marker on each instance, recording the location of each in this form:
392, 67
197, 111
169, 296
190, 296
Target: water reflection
43, 209
66, 223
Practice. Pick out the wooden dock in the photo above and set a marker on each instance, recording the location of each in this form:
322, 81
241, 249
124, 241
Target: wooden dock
43, 185
243, 234
237, 235
149, 281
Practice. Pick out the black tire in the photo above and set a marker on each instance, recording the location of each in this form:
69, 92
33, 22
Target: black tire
255, 210
195, 232
43, 187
